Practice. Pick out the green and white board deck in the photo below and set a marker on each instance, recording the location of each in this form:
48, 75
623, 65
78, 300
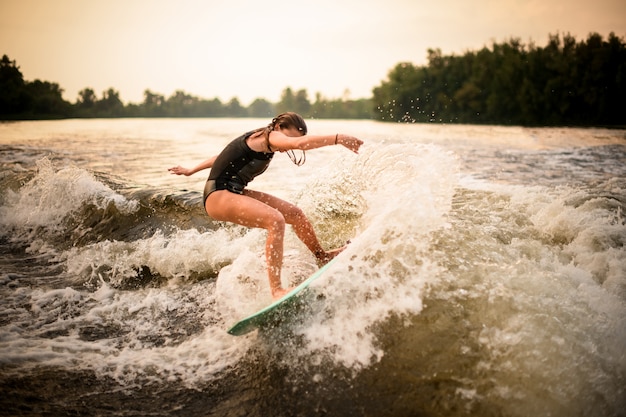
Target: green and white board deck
268, 314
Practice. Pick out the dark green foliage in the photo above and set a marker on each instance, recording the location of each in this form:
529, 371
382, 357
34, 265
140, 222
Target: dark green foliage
563, 83
20, 99
43, 100
12, 88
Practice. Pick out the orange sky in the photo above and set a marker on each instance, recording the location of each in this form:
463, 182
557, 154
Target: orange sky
249, 49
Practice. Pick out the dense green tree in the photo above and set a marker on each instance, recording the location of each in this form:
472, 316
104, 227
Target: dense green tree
85, 103
564, 83
87, 98
235, 109
211, 108
110, 105
153, 104
181, 104
287, 101
301, 102
298, 102
344, 108
20, 99
261, 108
324, 108
46, 99
13, 98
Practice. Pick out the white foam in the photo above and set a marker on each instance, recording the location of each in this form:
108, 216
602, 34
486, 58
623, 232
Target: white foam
541, 260
130, 356
178, 255
53, 194
384, 270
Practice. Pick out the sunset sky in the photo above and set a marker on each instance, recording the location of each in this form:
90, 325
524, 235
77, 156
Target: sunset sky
250, 49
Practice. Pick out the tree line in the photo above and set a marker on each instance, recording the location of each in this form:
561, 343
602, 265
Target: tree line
20, 100
563, 83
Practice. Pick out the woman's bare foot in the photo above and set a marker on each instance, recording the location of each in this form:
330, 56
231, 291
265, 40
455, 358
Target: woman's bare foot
279, 293
324, 257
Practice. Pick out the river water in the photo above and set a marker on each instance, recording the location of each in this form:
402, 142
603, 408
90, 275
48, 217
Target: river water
486, 274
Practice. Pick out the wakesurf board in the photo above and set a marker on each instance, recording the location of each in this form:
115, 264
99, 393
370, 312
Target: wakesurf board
273, 312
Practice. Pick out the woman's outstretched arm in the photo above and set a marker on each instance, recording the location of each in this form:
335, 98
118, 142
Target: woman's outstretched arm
178, 170
281, 141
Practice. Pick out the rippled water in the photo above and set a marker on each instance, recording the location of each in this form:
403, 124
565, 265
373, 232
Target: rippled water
486, 274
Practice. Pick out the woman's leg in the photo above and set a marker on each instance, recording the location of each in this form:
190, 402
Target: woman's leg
244, 210
297, 219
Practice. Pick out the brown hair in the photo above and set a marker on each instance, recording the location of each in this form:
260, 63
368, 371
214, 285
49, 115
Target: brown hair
286, 120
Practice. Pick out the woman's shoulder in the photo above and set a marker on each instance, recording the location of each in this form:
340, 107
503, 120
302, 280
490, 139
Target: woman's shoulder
257, 142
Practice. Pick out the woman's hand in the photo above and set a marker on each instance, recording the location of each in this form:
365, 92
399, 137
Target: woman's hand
178, 170
349, 142
187, 172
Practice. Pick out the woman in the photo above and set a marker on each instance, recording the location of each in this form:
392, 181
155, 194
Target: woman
226, 197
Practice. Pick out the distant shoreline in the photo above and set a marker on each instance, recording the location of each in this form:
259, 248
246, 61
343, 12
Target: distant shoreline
565, 83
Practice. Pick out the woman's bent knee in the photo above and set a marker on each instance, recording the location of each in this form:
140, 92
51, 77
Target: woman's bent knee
276, 222
294, 215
